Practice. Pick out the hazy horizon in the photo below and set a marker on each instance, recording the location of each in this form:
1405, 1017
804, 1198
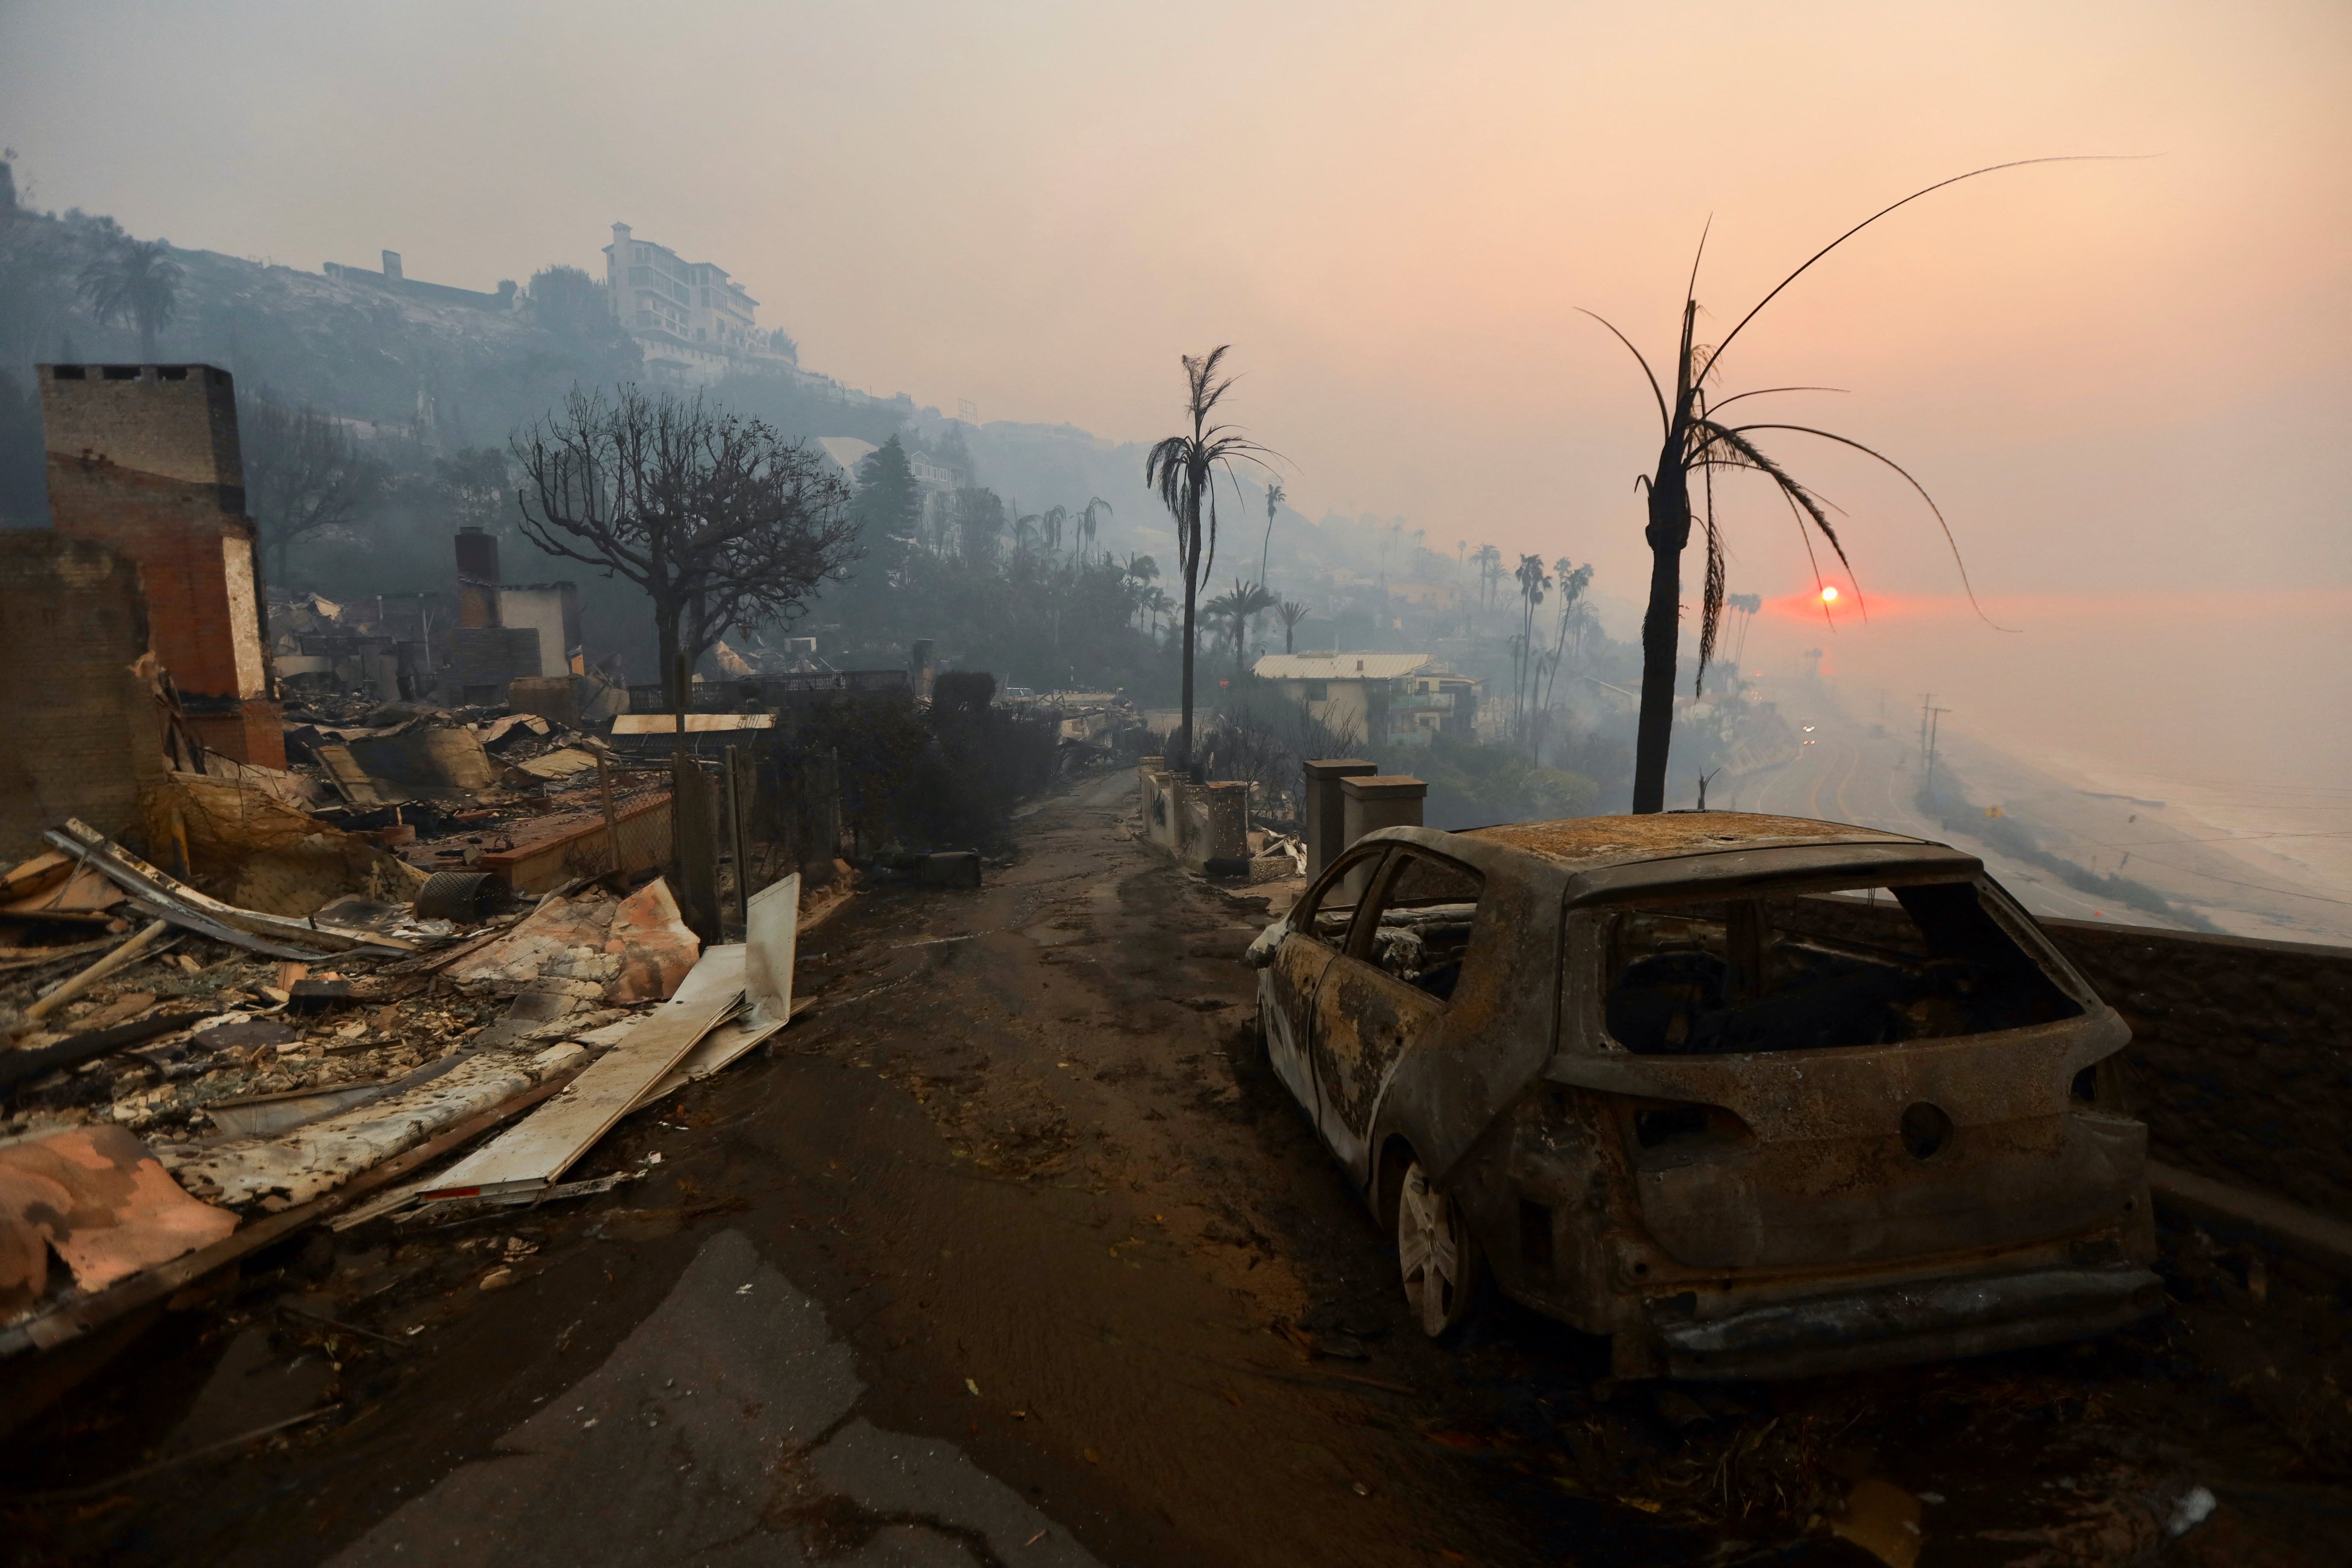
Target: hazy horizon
2112, 376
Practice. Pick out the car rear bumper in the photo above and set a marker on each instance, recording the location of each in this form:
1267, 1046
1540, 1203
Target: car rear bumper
1889, 1325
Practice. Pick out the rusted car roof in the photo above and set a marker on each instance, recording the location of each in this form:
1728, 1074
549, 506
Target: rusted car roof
1585, 843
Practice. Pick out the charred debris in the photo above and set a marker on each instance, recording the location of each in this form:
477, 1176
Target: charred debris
320, 914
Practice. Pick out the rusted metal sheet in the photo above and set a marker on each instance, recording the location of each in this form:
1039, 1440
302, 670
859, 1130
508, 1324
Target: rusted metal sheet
97, 1197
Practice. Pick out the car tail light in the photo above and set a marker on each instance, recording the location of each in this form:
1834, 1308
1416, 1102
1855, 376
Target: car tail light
1679, 1126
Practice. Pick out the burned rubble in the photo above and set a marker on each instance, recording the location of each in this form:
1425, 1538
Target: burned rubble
352, 1021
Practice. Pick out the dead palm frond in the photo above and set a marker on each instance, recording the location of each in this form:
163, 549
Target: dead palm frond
1087, 525
1696, 443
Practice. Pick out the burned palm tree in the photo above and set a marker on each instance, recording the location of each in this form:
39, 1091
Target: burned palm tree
1184, 469
1697, 443
1087, 525
1275, 496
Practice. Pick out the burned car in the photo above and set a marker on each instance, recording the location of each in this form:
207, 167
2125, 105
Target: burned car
1753, 1096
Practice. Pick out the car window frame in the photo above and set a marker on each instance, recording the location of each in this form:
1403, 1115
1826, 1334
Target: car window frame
1361, 931
1590, 948
1302, 913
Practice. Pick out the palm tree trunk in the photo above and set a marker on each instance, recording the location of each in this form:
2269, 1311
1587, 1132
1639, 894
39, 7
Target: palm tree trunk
1668, 531
1183, 745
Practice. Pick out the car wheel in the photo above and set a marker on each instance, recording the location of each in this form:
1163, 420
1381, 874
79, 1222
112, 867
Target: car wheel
1438, 1255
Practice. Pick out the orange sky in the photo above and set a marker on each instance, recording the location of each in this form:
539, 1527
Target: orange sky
2120, 377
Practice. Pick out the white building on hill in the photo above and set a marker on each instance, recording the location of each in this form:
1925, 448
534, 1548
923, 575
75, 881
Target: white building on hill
1395, 698
692, 319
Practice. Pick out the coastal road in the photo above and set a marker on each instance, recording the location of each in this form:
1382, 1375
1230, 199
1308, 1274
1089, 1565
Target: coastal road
1844, 772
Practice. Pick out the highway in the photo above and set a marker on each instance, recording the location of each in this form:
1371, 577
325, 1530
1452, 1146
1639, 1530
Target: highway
1843, 773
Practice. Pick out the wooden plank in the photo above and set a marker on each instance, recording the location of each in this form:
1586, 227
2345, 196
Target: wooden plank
696, 723
350, 779
542, 1149
723, 1045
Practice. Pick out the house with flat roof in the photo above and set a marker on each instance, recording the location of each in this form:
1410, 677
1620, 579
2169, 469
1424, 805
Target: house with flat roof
1396, 699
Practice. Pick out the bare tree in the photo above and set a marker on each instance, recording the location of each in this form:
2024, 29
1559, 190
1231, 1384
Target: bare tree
721, 521
1696, 442
134, 277
304, 474
1184, 469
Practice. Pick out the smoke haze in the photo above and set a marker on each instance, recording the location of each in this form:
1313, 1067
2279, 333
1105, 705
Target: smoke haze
2121, 380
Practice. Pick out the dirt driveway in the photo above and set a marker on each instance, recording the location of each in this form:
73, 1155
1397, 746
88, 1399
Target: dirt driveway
1059, 1255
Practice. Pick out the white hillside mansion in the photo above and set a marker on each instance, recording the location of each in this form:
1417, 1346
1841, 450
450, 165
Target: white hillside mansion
693, 321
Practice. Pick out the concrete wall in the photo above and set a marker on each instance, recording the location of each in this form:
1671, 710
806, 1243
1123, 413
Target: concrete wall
84, 732
2239, 1048
551, 609
1193, 824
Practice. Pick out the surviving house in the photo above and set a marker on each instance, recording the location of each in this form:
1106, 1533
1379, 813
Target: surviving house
394, 279
691, 318
1402, 698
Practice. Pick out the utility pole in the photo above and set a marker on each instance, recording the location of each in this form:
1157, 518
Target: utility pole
1935, 724
1926, 702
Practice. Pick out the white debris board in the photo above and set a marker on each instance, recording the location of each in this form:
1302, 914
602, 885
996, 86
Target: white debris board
772, 933
544, 1144
771, 939
719, 1047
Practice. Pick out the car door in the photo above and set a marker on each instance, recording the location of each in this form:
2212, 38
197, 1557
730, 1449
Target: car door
1386, 994
1320, 924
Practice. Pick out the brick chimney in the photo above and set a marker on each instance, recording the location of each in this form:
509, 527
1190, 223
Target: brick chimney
144, 459
478, 578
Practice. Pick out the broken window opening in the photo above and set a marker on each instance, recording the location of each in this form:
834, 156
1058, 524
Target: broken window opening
1426, 911
1708, 977
1327, 910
